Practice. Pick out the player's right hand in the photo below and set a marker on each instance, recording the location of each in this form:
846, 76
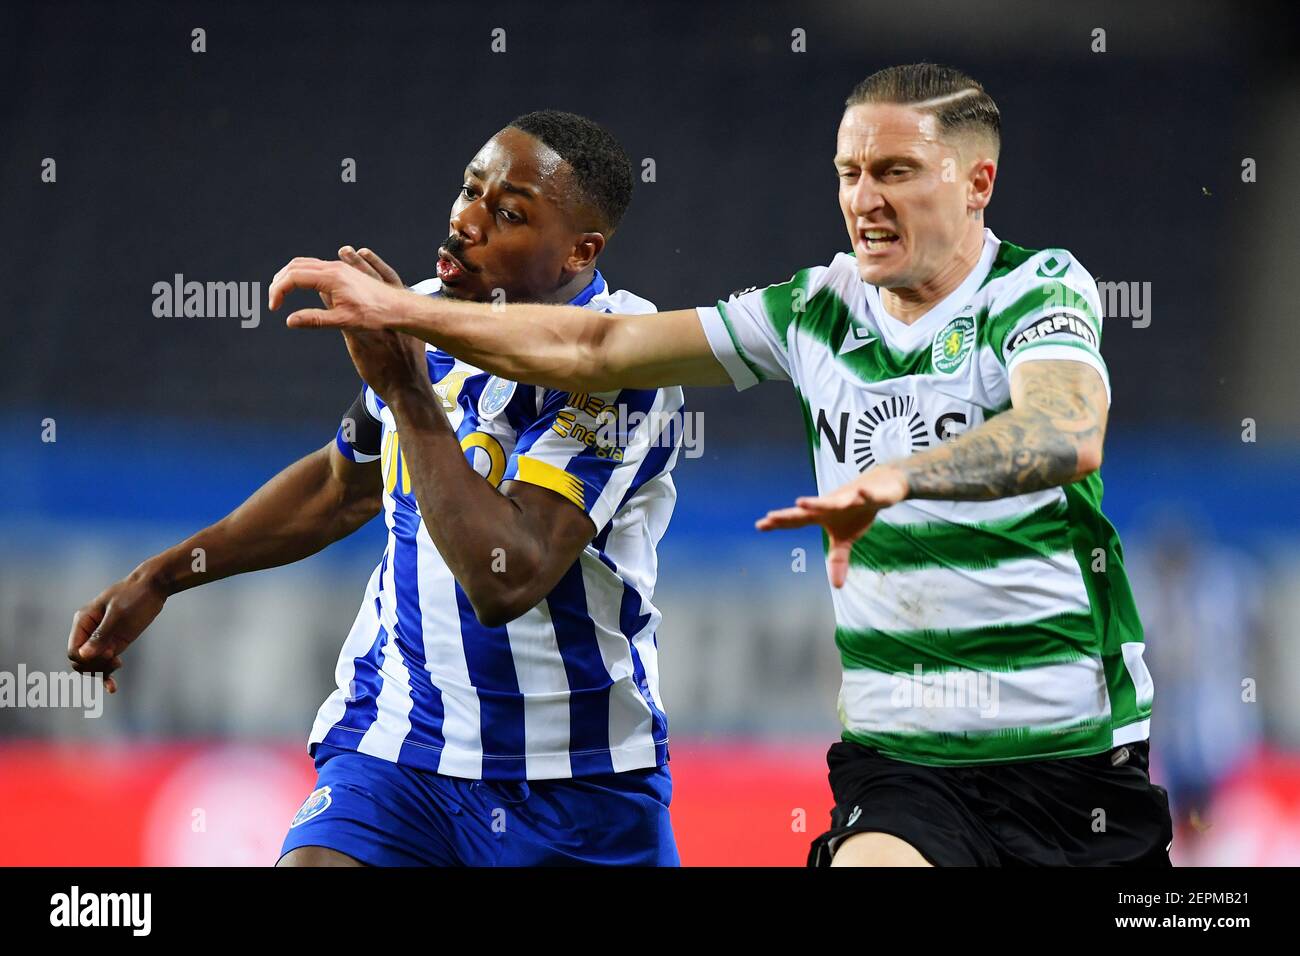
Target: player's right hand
846, 513
105, 627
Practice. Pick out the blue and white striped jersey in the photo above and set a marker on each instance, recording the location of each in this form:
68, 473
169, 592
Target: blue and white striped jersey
571, 688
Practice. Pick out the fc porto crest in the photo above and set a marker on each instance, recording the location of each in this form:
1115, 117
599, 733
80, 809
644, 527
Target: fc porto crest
952, 344
316, 803
496, 395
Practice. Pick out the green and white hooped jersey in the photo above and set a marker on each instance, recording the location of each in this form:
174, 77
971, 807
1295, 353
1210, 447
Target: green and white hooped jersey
970, 631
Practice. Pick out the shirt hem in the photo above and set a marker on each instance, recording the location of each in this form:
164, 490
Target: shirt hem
431, 765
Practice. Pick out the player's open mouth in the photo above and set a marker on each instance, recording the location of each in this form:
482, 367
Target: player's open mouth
450, 269
874, 240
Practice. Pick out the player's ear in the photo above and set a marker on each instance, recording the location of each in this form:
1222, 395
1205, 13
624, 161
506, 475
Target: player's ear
586, 248
980, 191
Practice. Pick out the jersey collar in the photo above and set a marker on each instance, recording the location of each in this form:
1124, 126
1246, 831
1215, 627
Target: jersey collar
908, 338
593, 288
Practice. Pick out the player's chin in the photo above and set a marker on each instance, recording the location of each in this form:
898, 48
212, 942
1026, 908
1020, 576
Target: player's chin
467, 286
886, 276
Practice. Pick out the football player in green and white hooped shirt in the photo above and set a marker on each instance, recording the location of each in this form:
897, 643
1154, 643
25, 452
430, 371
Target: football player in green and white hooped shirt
956, 400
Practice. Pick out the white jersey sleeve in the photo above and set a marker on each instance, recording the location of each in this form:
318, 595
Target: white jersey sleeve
1049, 310
748, 331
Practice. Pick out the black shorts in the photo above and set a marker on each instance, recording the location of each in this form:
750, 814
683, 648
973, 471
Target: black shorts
1101, 810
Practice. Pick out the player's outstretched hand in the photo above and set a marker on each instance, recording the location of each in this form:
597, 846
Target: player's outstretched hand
366, 261
356, 299
105, 627
846, 513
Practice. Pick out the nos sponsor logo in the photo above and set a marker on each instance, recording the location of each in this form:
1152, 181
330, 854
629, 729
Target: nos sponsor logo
889, 430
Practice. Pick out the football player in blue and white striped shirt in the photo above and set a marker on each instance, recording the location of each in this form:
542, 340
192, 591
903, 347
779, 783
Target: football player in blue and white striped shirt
497, 697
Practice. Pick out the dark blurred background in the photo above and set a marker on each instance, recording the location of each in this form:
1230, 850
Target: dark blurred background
224, 164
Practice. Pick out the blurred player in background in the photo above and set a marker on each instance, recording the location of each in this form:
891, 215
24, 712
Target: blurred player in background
995, 703
497, 697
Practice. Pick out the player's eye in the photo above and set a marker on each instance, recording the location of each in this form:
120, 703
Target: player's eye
509, 215
467, 191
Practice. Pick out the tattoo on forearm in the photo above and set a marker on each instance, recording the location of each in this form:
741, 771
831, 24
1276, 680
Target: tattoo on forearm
1033, 446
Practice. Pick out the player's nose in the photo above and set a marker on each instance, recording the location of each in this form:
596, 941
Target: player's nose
865, 197
469, 222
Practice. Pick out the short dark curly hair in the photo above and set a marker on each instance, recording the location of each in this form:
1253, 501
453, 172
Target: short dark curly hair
600, 165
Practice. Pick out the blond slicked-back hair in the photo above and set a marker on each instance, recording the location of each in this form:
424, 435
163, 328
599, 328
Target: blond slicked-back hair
958, 102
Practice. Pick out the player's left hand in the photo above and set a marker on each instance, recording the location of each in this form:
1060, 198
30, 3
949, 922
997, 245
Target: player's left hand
846, 513
389, 362
386, 361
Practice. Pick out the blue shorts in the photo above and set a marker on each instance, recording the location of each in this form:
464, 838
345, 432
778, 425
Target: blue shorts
384, 814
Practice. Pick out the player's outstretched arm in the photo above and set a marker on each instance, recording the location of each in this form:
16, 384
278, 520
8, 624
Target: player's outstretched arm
557, 346
1052, 435
315, 501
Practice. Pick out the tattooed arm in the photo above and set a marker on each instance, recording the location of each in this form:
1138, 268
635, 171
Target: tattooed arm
1052, 435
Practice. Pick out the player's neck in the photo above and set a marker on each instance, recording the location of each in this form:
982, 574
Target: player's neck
569, 291
908, 305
